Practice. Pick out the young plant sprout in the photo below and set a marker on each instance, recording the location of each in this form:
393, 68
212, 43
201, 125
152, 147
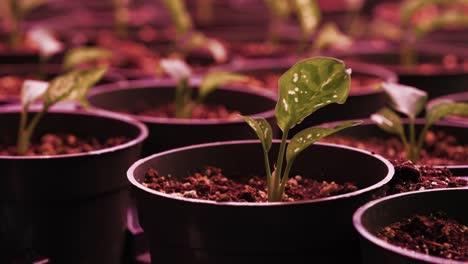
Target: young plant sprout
181, 72
14, 12
280, 11
72, 86
330, 36
306, 87
121, 17
410, 102
188, 39
83, 55
309, 16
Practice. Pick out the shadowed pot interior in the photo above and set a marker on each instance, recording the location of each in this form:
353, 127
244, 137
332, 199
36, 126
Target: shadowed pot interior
361, 102
182, 230
369, 129
434, 73
70, 208
375, 215
167, 133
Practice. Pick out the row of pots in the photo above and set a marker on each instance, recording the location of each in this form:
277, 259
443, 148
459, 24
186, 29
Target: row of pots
41, 204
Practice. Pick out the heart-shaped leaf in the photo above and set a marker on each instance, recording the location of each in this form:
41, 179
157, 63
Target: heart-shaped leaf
439, 110
32, 90
180, 16
83, 55
309, 136
60, 87
211, 81
309, 15
405, 99
388, 121
263, 130
308, 86
84, 81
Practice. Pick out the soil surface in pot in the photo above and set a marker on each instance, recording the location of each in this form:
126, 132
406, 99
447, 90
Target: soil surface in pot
59, 144
265, 49
434, 234
202, 111
439, 148
408, 178
211, 184
359, 83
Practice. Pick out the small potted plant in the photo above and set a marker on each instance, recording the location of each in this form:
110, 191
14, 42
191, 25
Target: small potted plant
425, 141
271, 209
437, 69
62, 194
171, 108
414, 227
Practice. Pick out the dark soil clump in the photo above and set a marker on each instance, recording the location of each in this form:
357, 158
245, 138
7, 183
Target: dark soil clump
211, 184
60, 144
433, 234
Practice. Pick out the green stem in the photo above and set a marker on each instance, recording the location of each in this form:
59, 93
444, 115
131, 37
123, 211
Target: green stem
41, 67
411, 152
21, 144
24, 139
279, 163
284, 179
16, 18
268, 172
181, 97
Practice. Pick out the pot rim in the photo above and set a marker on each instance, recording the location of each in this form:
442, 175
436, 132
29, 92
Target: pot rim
143, 132
135, 183
357, 223
417, 121
160, 83
249, 65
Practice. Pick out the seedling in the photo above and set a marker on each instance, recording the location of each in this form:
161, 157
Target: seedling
309, 16
306, 87
72, 86
14, 12
410, 102
181, 72
279, 12
84, 55
121, 17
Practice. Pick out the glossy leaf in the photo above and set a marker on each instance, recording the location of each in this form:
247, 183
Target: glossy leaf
405, 99
308, 14
180, 16
388, 121
444, 108
308, 86
211, 81
263, 130
330, 35
83, 55
309, 136
32, 90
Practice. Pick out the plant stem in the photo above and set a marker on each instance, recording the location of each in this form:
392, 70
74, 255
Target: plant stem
24, 137
16, 17
284, 179
21, 144
268, 172
411, 152
182, 97
279, 163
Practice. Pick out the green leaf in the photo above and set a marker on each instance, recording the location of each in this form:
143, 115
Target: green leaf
180, 16
263, 130
308, 14
308, 86
83, 55
405, 99
388, 121
330, 35
442, 108
213, 80
28, 5
32, 90
309, 136
451, 18
73, 85
279, 9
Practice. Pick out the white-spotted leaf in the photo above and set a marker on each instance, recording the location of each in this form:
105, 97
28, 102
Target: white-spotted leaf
308, 86
309, 136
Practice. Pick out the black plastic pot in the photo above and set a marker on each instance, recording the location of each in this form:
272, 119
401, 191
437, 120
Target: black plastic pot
434, 78
167, 133
50, 71
360, 104
375, 215
458, 97
370, 129
70, 208
181, 230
